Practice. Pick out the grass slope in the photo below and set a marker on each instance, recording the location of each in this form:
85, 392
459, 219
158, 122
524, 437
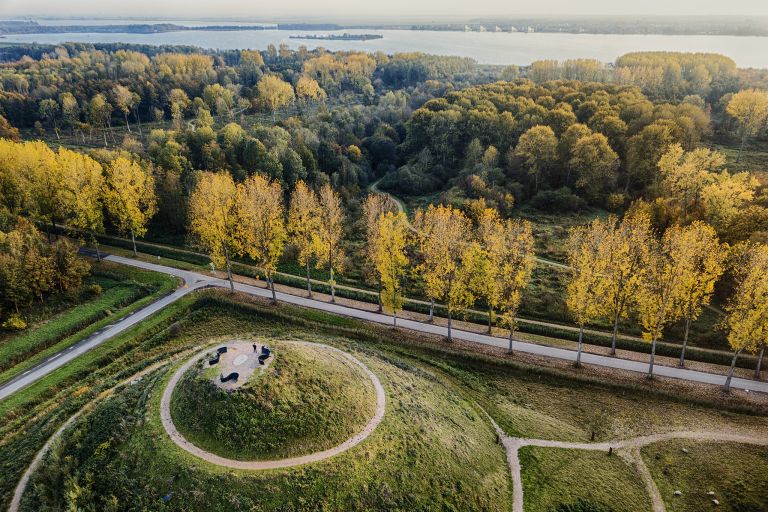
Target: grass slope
579, 481
308, 400
737, 474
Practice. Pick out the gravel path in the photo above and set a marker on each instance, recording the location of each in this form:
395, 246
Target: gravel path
176, 437
628, 449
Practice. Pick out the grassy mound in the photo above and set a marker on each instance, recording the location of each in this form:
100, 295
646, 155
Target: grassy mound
736, 473
309, 399
432, 451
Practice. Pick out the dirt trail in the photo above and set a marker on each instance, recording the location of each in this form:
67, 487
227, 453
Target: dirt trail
628, 449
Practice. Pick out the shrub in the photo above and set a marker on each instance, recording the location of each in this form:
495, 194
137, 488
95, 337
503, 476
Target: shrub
14, 323
560, 200
95, 289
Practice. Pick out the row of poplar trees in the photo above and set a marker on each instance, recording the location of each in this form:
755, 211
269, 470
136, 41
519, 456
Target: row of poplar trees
623, 268
459, 259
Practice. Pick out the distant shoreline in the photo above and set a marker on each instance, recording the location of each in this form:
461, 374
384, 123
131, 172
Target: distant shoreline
338, 37
703, 27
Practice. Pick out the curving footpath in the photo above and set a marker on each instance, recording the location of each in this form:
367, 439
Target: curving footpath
628, 449
181, 442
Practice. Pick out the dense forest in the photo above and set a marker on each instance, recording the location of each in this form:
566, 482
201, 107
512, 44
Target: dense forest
551, 137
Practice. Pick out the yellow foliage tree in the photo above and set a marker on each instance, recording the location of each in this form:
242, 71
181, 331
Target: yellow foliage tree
685, 175
262, 224
661, 287
747, 319
586, 246
308, 90
83, 182
624, 255
213, 218
129, 196
374, 206
441, 230
326, 239
699, 273
391, 259
750, 109
303, 220
275, 93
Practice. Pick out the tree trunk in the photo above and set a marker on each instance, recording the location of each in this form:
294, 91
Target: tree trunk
126, 122
58, 138
490, 320
511, 337
741, 146
615, 332
333, 287
432, 310
685, 340
96, 245
381, 308
759, 361
133, 240
229, 272
450, 338
578, 351
272, 287
309, 282
653, 356
727, 386
394, 318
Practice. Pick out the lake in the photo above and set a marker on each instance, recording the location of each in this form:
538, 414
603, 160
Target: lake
484, 47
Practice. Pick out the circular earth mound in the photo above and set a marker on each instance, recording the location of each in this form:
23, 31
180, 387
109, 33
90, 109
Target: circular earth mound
307, 399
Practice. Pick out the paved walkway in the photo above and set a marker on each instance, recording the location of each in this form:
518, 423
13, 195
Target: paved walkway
184, 444
194, 281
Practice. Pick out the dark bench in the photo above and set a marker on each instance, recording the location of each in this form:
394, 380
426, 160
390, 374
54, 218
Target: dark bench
215, 359
221, 350
264, 354
231, 376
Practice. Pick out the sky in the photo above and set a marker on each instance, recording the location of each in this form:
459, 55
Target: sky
373, 9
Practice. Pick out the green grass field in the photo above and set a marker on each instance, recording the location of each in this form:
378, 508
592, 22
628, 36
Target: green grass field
736, 473
434, 449
579, 481
307, 400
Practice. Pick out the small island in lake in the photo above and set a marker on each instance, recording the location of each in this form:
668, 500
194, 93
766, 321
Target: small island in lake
339, 37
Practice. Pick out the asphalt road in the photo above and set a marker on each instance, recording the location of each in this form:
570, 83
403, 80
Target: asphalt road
194, 281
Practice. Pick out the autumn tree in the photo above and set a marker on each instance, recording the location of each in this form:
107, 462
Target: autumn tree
262, 224
308, 91
441, 231
213, 218
303, 220
275, 93
699, 273
391, 259
100, 114
513, 260
326, 240
624, 255
585, 287
537, 148
124, 101
179, 102
83, 185
684, 175
747, 312
660, 288
129, 196
374, 206
750, 110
